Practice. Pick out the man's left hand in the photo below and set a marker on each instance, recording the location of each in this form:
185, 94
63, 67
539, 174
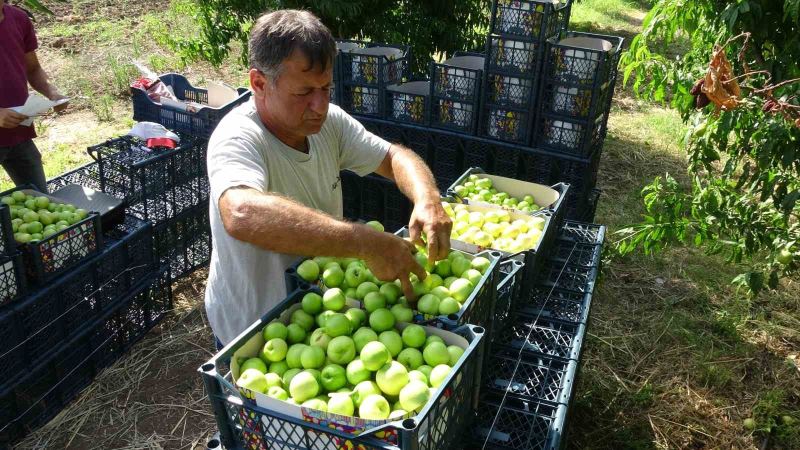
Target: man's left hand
62, 107
429, 218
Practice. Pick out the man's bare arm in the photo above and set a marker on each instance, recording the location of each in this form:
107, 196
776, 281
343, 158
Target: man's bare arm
416, 181
282, 225
39, 80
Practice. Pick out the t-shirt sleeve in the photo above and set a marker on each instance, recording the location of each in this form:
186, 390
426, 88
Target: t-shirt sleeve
234, 162
29, 41
361, 151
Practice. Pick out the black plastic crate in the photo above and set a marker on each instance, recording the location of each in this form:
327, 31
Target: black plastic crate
408, 102
37, 398
529, 19
574, 254
199, 124
586, 212
512, 423
10, 430
455, 115
351, 195
584, 103
459, 77
576, 59
569, 136
7, 245
58, 379
156, 184
87, 175
439, 425
581, 174
376, 65
531, 377
541, 335
573, 278
184, 242
582, 233
511, 90
57, 312
13, 359
505, 123
420, 140
382, 200
509, 288
513, 56
446, 159
551, 302
478, 153
12, 279
373, 197
363, 100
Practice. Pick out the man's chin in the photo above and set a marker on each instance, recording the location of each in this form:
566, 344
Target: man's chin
314, 127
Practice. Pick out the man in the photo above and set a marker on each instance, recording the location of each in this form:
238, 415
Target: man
274, 165
18, 154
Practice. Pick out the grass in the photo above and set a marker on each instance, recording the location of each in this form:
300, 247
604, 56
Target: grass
675, 357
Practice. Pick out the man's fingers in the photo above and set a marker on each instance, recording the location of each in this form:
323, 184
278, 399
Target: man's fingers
17, 116
408, 289
418, 270
433, 248
415, 233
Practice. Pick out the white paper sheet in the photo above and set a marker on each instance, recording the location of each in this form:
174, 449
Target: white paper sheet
36, 105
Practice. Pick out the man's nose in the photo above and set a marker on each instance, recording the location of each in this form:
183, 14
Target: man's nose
319, 101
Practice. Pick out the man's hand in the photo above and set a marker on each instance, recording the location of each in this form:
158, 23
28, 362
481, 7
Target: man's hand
59, 108
390, 258
429, 218
10, 119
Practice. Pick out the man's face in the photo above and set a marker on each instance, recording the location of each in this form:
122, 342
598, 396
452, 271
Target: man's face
297, 103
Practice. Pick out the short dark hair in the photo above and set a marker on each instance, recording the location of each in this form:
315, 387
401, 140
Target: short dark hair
276, 35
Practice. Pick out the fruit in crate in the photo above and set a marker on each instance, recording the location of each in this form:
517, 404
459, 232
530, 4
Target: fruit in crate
496, 229
480, 189
34, 218
369, 371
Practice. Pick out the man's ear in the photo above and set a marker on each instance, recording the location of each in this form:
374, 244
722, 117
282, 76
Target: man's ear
258, 82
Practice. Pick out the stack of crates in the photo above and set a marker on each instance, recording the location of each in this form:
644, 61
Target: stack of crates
59, 333
455, 92
364, 72
531, 369
12, 273
515, 47
168, 187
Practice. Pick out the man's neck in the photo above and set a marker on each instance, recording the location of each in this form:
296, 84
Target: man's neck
298, 143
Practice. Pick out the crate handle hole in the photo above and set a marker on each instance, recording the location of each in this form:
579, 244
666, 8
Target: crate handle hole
213, 444
409, 424
452, 316
208, 367
478, 330
496, 254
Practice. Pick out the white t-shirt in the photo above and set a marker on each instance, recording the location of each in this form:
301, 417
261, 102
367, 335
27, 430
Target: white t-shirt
244, 280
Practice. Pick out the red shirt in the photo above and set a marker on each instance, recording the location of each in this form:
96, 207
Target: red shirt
17, 38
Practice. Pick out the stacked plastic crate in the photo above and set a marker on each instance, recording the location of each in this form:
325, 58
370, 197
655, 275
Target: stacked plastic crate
577, 86
365, 71
531, 369
52, 336
371, 83
515, 47
167, 187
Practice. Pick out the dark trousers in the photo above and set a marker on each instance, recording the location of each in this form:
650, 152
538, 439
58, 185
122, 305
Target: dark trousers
23, 163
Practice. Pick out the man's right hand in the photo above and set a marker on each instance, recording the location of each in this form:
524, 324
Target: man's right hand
10, 119
390, 258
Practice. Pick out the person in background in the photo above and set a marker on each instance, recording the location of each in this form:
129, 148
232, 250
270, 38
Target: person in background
20, 67
273, 166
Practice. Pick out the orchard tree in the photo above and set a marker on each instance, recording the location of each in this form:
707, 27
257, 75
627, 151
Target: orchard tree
736, 86
428, 26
